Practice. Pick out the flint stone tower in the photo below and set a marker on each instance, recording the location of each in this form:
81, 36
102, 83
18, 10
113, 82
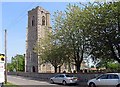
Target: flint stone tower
38, 20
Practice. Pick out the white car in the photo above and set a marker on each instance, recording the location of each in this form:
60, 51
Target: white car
64, 79
108, 79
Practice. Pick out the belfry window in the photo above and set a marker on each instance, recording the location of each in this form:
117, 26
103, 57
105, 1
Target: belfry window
43, 20
33, 21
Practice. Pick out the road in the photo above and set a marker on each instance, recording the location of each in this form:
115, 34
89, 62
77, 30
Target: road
18, 80
28, 82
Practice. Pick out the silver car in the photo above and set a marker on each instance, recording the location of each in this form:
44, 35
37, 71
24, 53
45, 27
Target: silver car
108, 79
64, 79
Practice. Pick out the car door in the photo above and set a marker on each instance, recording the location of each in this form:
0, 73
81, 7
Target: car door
112, 79
101, 80
61, 78
56, 79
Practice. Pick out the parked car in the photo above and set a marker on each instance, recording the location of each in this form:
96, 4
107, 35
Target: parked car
64, 79
108, 79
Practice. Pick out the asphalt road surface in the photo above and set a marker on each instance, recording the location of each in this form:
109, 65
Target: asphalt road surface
28, 82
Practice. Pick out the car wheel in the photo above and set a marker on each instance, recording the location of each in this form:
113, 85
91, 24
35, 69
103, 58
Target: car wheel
92, 84
51, 81
118, 85
64, 82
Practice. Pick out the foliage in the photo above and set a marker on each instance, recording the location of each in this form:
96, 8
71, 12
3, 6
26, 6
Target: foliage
110, 65
10, 67
103, 63
105, 28
114, 66
17, 63
73, 35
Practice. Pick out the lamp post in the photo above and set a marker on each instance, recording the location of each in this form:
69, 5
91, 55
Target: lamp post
5, 56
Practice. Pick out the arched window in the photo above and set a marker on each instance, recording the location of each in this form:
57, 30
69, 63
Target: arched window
33, 68
33, 21
43, 20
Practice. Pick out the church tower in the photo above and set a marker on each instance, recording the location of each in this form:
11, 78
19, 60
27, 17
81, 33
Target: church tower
38, 20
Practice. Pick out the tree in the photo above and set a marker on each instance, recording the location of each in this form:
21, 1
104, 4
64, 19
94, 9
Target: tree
113, 66
73, 35
50, 51
55, 57
10, 67
18, 63
91, 30
105, 25
103, 63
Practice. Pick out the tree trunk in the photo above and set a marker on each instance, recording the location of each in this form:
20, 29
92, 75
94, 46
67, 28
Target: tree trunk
55, 69
59, 69
69, 67
78, 66
118, 49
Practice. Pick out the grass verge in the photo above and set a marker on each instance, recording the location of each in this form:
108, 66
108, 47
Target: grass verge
10, 85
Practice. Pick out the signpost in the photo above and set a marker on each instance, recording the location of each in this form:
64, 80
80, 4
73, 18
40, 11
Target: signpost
2, 68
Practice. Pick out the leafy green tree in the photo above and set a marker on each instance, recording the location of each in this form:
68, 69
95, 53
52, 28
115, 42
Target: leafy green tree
10, 67
17, 63
113, 66
103, 63
105, 25
50, 51
73, 35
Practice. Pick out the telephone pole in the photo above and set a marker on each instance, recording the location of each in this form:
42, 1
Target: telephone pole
5, 56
